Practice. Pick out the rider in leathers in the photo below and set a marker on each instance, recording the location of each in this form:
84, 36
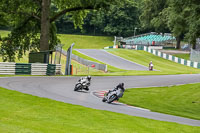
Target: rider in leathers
87, 80
119, 86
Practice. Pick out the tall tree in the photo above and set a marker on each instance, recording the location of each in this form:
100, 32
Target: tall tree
176, 19
152, 16
119, 20
193, 21
32, 17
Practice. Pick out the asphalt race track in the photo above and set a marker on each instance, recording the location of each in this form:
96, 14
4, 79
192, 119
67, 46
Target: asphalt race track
61, 89
112, 60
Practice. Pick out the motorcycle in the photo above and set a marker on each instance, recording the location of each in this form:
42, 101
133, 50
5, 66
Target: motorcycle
113, 95
82, 85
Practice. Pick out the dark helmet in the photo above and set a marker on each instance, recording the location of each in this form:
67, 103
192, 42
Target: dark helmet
122, 85
89, 77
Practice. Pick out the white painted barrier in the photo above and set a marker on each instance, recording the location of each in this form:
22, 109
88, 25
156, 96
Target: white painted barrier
7, 68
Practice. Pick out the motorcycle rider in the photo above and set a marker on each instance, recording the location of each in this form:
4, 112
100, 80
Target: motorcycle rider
150, 66
119, 86
86, 80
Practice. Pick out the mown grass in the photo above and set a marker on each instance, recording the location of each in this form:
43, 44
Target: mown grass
110, 68
85, 42
81, 41
25, 113
182, 100
162, 66
183, 56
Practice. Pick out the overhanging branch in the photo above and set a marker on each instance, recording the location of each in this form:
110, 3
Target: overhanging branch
70, 10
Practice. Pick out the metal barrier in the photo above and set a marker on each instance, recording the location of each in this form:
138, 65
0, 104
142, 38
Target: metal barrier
85, 62
9, 68
172, 58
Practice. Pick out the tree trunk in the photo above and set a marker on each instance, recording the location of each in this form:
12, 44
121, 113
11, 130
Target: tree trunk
45, 25
178, 42
193, 43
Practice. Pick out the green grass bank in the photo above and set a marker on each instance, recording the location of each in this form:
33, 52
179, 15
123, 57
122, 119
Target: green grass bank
22, 113
162, 66
182, 100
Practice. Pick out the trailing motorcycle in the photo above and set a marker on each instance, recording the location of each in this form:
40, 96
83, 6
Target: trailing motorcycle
82, 84
113, 95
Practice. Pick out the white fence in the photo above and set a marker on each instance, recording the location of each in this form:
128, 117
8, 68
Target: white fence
9, 68
38, 69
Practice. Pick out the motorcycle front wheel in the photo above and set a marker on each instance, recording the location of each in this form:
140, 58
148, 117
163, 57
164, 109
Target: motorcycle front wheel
77, 87
104, 99
112, 98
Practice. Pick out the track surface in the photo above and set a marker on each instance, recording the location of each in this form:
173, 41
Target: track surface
111, 59
61, 89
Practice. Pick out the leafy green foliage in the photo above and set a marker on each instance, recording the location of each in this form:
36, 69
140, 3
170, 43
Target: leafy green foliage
151, 15
120, 20
181, 17
27, 23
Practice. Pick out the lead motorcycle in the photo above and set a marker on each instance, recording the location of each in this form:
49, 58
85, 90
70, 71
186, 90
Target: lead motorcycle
113, 95
82, 84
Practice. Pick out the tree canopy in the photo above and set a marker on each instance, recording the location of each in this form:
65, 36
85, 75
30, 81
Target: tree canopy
180, 17
34, 23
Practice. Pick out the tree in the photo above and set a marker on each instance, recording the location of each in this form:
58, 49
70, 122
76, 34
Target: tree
193, 21
177, 19
33, 22
181, 17
120, 20
153, 16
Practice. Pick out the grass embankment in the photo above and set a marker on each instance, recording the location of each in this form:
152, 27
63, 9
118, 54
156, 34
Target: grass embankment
85, 42
162, 65
183, 100
110, 68
81, 41
183, 56
25, 113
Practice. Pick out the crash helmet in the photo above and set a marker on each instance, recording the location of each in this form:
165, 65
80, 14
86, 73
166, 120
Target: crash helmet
122, 85
89, 77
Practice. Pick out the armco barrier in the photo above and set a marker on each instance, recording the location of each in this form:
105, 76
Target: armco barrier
8, 68
22, 69
172, 58
85, 62
51, 69
38, 69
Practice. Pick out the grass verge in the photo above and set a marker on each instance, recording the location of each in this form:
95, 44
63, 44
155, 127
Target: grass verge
85, 42
183, 56
183, 100
162, 65
110, 68
81, 41
25, 113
